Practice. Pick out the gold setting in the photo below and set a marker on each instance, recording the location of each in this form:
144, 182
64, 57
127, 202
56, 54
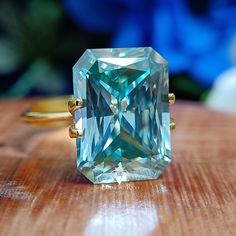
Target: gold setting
172, 124
75, 133
73, 105
171, 97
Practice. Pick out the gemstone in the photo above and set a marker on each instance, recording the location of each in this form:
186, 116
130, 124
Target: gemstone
125, 116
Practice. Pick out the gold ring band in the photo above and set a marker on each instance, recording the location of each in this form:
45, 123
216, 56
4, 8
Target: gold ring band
52, 112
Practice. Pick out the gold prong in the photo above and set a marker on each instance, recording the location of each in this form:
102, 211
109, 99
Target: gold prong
74, 104
75, 133
171, 97
172, 124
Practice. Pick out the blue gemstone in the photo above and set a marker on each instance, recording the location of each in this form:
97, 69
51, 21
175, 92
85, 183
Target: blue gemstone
125, 119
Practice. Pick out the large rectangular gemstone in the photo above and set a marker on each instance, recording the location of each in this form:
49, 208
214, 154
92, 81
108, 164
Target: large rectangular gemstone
125, 119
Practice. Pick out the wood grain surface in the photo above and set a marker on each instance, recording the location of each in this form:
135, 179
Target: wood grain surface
41, 193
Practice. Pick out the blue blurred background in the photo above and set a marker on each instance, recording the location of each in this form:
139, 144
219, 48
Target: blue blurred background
40, 40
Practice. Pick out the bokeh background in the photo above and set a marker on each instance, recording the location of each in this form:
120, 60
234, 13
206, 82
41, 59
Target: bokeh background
40, 41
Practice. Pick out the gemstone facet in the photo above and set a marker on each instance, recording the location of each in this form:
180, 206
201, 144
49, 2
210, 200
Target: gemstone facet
125, 119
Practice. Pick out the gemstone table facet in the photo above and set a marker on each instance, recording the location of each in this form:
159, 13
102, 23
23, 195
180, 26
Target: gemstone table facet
125, 119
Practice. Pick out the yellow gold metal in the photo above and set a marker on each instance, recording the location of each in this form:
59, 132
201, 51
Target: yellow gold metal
172, 124
75, 133
171, 97
74, 104
52, 112
40, 117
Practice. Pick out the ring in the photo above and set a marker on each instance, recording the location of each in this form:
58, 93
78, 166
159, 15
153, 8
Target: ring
119, 114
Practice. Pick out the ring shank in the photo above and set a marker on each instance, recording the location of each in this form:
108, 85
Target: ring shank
52, 112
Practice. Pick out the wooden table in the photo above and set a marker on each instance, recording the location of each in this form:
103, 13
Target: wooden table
41, 193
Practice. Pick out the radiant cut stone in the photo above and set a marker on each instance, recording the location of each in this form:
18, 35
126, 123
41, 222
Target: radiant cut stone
125, 118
